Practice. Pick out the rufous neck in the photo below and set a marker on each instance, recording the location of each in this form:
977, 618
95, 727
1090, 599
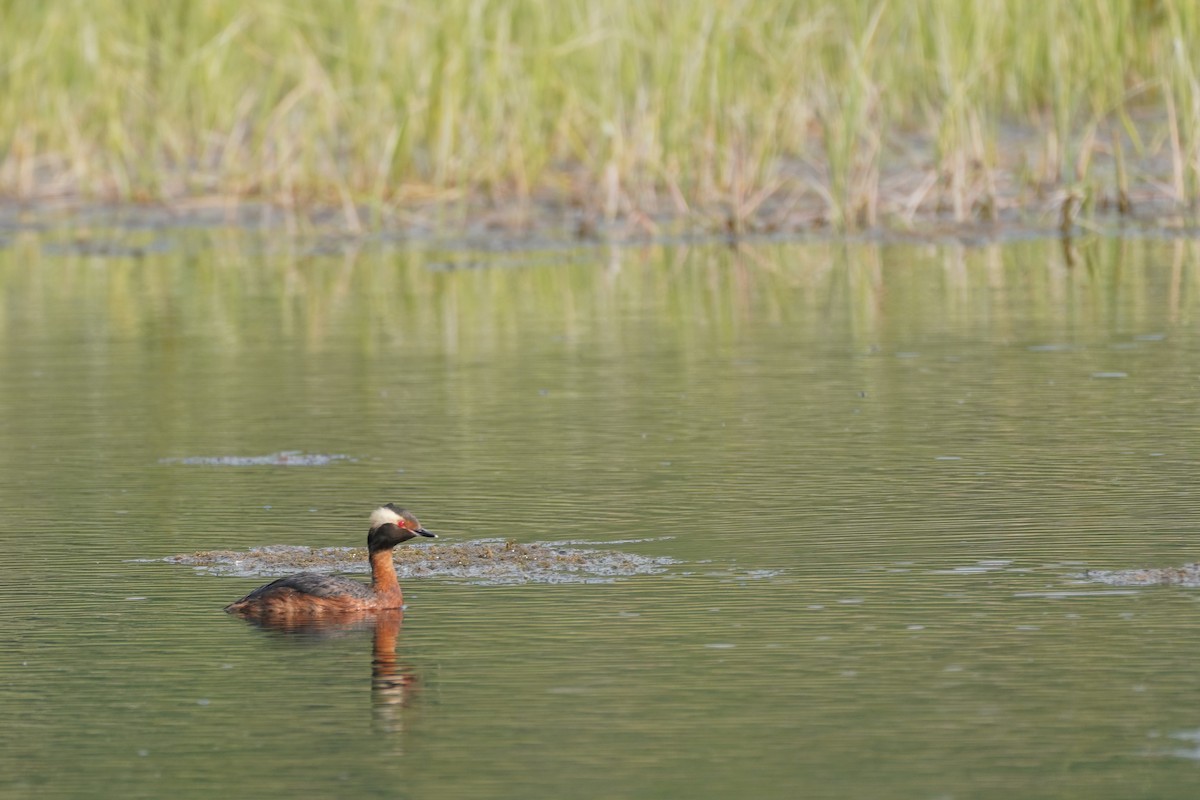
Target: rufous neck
383, 573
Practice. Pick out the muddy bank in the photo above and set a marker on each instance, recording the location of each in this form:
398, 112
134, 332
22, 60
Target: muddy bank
516, 226
1021, 195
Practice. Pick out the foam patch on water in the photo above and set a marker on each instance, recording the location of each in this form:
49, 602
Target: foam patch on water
1186, 575
489, 561
284, 458
978, 568
1190, 738
1068, 594
594, 542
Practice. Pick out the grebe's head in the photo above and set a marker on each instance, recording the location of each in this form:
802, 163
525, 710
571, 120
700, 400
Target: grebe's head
391, 525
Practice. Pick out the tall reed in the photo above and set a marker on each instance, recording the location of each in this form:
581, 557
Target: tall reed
626, 108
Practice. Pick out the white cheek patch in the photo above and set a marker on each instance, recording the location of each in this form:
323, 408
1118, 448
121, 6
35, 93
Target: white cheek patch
382, 516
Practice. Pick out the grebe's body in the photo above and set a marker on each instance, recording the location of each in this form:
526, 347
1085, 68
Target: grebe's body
308, 593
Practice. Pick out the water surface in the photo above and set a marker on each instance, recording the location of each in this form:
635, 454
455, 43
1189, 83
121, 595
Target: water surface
877, 471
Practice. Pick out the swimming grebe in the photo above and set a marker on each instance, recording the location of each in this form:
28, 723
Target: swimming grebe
312, 594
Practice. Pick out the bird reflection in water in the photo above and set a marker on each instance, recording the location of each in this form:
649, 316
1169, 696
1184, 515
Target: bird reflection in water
393, 683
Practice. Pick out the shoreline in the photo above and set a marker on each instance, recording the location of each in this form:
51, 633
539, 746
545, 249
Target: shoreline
905, 198
490, 226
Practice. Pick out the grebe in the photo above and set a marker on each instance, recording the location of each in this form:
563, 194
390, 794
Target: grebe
308, 593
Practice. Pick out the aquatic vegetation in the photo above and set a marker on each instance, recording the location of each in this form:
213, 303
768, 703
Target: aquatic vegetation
733, 117
487, 561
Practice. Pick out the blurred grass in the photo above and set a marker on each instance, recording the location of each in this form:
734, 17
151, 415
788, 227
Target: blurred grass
618, 109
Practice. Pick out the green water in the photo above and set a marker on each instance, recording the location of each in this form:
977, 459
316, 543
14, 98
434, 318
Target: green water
877, 468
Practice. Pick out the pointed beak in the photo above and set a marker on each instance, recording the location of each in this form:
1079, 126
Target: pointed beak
423, 532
